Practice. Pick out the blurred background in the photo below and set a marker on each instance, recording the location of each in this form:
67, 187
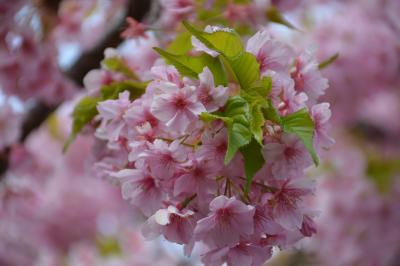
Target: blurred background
53, 211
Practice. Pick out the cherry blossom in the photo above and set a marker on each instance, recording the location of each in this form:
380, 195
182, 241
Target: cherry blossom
289, 156
170, 161
210, 96
176, 225
321, 114
177, 107
228, 220
271, 54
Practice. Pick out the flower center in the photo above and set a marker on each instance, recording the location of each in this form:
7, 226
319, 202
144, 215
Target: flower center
148, 183
290, 152
224, 214
180, 103
221, 148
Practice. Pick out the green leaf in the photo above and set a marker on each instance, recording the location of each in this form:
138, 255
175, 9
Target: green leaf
136, 89
183, 63
245, 68
244, 134
237, 120
328, 61
83, 113
209, 117
261, 87
257, 122
301, 124
118, 65
274, 15
253, 161
270, 113
226, 41
181, 44
192, 66
239, 133
243, 65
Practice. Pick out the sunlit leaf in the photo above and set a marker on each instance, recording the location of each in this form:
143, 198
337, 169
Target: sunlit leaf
192, 66
118, 65
301, 124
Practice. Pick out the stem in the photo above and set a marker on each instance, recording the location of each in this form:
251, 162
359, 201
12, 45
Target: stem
171, 140
265, 187
186, 202
226, 187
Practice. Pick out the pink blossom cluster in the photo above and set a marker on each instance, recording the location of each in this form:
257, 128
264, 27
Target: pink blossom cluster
363, 89
40, 78
232, 13
52, 212
358, 223
361, 70
86, 22
170, 163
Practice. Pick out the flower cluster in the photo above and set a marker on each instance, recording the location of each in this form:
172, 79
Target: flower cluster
40, 78
215, 161
83, 23
247, 15
52, 212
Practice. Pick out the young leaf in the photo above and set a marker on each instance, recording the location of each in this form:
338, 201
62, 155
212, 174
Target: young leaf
257, 121
253, 161
224, 41
181, 44
239, 133
270, 113
192, 66
83, 113
183, 63
328, 61
208, 117
118, 65
261, 87
242, 64
301, 124
246, 69
274, 15
237, 120
136, 89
